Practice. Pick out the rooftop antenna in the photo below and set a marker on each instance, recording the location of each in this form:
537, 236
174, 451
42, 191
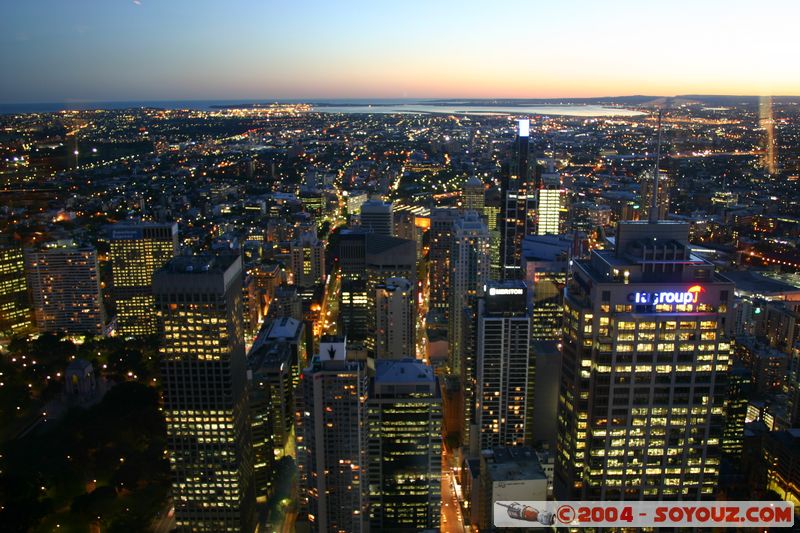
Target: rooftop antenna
653, 218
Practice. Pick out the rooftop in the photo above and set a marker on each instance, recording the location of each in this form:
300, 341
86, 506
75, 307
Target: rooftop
402, 371
199, 264
749, 281
512, 463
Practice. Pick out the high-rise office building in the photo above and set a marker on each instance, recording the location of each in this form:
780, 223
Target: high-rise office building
503, 362
740, 388
469, 272
64, 283
396, 322
138, 249
473, 195
551, 205
308, 260
371, 259
440, 242
206, 407
377, 217
353, 310
15, 313
516, 217
645, 357
272, 410
404, 447
332, 440
545, 262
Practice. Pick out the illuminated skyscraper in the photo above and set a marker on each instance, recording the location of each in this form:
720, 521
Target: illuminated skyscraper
15, 313
64, 283
516, 219
440, 242
332, 441
503, 362
138, 249
205, 392
740, 388
469, 273
404, 447
272, 410
643, 381
551, 205
473, 195
545, 260
308, 260
396, 324
367, 260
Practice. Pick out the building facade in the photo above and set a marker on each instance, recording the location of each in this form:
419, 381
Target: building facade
15, 312
206, 402
377, 217
503, 362
308, 260
395, 319
517, 217
64, 285
332, 441
646, 351
404, 447
138, 249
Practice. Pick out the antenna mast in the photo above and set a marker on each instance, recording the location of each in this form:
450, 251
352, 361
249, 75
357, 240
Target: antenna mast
653, 218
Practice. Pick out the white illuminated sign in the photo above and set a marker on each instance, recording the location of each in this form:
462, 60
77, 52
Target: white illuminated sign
524, 127
502, 292
689, 296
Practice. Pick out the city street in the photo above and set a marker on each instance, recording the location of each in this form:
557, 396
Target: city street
452, 517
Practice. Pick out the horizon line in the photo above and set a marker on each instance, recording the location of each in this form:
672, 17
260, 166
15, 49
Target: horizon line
433, 98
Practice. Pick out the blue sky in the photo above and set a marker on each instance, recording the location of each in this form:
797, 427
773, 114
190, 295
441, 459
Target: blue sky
66, 50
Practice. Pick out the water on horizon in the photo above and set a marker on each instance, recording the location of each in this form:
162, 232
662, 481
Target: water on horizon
341, 105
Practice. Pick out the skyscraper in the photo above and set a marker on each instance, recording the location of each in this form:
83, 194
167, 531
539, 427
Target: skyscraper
545, 262
377, 217
740, 388
516, 196
205, 392
272, 410
64, 283
469, 273
366, 261
503, 362
645, 356
15, 313
404, 447
473, 195
551, 205
395, 319
138, 249
332, 440
440, 243
308, 260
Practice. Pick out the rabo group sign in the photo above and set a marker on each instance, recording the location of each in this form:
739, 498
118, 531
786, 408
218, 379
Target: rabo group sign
689, 296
